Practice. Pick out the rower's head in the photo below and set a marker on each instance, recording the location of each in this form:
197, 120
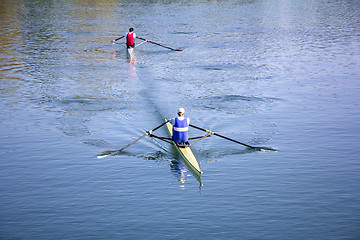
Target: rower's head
131, 29
181, 112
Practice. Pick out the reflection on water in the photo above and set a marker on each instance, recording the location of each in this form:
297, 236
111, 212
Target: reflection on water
183, 174
176, 166
131, 55
179, 170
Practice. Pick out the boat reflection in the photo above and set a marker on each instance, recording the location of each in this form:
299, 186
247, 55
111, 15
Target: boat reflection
177, 167
130, 54
182, 173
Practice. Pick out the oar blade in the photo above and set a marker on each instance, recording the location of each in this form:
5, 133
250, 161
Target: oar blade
265, 149
108, 153
102, 156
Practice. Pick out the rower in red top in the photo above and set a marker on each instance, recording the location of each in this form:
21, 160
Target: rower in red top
130, 38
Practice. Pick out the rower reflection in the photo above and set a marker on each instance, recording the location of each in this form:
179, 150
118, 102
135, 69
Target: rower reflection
180, 170
177, 167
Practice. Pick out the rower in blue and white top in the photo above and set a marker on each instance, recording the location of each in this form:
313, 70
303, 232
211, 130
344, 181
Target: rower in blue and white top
181, 127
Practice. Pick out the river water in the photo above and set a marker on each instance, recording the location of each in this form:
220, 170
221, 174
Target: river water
280, 74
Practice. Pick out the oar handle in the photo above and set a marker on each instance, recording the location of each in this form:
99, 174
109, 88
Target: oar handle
216, 134
158, 44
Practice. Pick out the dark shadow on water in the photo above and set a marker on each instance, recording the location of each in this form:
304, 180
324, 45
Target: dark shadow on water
212, 156
233, 103
96, 142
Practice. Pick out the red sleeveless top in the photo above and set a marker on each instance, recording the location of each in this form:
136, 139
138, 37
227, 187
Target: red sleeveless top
130, 40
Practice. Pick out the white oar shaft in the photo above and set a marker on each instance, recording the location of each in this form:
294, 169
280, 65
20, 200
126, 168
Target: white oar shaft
140, 43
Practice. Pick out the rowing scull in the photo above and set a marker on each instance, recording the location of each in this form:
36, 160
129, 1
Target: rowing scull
186, 153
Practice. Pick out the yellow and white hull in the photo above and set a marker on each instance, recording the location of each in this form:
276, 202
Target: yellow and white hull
186, 153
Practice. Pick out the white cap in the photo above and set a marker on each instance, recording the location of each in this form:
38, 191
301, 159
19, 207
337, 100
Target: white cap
181, 110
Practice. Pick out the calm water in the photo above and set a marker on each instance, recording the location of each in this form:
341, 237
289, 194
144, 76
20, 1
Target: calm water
281, 74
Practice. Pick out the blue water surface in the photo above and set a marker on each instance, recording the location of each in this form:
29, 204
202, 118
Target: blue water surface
279, 74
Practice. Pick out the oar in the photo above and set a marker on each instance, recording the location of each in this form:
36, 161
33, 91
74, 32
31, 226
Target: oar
112, 41
216, 134
118, 151
159, 44
140, 43
109, 43
207, 135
